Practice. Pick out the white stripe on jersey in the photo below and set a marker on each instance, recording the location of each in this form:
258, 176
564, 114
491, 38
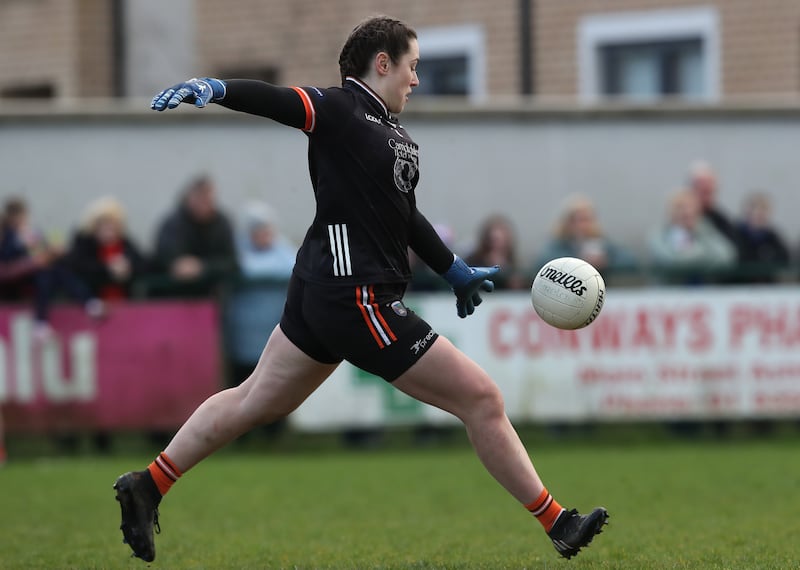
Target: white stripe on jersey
332, 240
346, 246
371, 311
340, 250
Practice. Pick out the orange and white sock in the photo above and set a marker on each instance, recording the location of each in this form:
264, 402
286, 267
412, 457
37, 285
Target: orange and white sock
164, 473
546, 509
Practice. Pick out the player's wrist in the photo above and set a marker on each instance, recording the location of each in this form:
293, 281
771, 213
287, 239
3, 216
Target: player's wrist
217, 86
459, 273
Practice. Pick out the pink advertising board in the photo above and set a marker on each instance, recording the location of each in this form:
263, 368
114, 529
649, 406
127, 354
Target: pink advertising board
145, 366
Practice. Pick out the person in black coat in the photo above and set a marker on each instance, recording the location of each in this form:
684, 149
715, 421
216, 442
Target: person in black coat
102, 255
195, 243
762, 251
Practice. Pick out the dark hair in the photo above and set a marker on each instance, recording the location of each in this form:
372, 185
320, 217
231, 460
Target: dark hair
484, 238
377, 34
14, 207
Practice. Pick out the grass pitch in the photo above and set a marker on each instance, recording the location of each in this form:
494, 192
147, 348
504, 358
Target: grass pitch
702, 505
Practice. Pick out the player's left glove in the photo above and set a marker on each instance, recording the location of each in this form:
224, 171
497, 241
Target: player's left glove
467, 282
201, 92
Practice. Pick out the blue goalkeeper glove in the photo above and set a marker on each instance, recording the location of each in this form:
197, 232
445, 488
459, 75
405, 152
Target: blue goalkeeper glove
467, 282
201, 92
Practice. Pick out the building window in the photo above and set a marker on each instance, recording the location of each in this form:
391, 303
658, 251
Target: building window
452, 62
36, 91
649, 56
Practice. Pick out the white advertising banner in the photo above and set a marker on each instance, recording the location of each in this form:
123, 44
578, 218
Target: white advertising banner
652, 354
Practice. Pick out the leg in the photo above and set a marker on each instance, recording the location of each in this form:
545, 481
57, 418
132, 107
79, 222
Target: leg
446, 378
283, 378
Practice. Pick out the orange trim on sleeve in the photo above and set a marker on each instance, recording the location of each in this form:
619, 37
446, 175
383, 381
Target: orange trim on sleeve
311, 114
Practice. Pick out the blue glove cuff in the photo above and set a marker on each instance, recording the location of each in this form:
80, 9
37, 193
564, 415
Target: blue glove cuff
459, 273
218, 88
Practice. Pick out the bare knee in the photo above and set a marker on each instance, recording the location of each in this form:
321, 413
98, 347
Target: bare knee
484, 402
257, 408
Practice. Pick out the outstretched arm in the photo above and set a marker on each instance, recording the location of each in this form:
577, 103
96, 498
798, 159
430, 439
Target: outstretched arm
466, 281
282, 104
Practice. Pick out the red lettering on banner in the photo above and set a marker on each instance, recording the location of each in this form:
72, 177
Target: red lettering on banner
722, 402
527, 333
771, 327
641, 329
607, 332
741, 319
763, 372
629, 405
643, 336
676, 373
601, 375
777, 402
499, 345
702, 337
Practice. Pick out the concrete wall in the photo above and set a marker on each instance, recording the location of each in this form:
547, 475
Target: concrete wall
521, 163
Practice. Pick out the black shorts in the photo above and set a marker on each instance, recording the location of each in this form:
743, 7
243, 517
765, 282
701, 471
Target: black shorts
367, 325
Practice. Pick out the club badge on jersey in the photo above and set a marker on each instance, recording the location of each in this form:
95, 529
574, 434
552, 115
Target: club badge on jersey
406, 164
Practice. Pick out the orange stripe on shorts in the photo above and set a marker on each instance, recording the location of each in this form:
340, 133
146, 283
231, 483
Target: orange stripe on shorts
378, 314
366, 318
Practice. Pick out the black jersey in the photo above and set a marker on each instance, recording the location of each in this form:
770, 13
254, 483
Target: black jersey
364, 168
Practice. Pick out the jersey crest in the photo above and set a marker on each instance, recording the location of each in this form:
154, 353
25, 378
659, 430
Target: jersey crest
406, 165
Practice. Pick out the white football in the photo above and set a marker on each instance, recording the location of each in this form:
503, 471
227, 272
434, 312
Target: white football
568, 293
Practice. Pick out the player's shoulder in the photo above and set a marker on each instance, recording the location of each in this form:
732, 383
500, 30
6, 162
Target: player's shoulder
327, 95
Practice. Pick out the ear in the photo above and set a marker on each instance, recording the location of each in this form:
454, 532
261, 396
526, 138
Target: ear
382, 61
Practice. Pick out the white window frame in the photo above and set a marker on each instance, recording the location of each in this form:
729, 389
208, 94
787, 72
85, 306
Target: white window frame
596, 31
466, 40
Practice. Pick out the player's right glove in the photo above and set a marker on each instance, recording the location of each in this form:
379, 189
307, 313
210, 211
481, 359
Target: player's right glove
467, 282
201, 92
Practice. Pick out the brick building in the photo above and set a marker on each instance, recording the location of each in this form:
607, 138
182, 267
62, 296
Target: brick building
581, 49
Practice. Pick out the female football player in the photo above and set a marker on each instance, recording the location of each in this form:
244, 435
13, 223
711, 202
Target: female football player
345, 299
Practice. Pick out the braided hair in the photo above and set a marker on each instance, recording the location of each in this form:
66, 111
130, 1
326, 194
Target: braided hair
377, 34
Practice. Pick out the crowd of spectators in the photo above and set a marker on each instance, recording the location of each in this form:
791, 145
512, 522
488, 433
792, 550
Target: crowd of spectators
197, 247
697, 243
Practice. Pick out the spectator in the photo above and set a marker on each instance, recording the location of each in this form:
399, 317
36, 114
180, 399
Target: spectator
703, 182
762, 251
195, 243
578, 234
32, 267
497, 245
689, 243
263, 251
101, 253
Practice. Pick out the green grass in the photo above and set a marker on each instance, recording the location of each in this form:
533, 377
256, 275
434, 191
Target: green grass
702, 505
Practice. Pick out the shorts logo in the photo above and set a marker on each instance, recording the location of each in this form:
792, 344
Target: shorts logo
423, 342
399, 309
